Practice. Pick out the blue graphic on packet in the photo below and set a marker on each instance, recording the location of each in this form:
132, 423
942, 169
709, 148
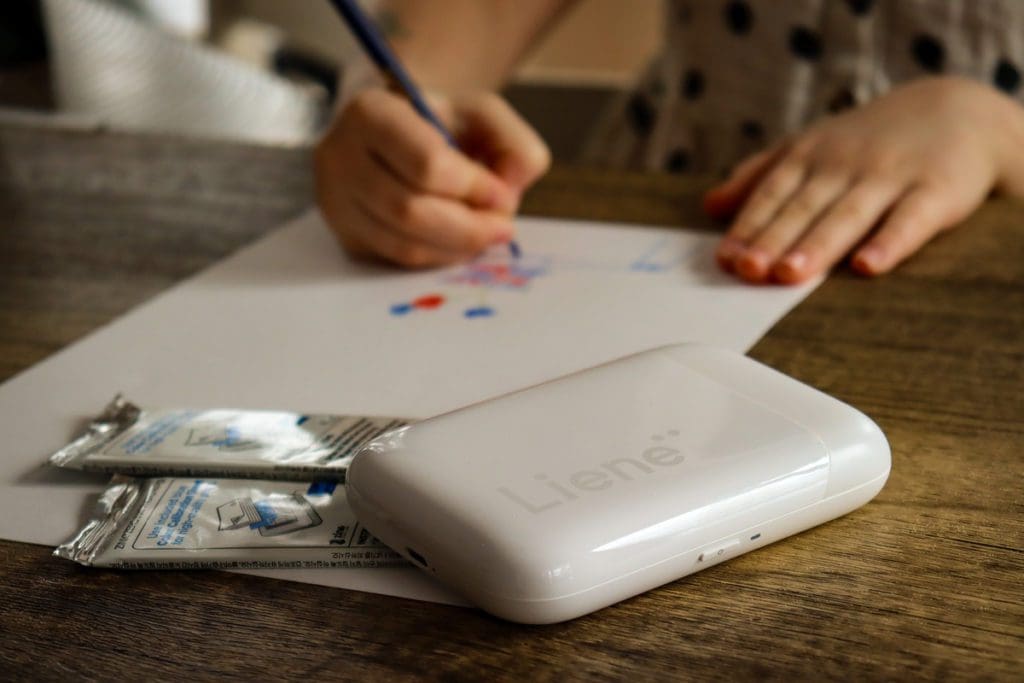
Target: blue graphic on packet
154, 434
231, 437
267, 513
319, 488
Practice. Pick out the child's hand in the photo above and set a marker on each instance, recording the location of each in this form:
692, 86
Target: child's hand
390, 186
902, 168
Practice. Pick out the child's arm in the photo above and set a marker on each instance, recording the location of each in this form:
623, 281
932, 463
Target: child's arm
387, 183
467, 45
878, 181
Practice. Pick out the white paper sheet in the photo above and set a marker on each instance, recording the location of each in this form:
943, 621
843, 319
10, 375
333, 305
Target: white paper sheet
290, 323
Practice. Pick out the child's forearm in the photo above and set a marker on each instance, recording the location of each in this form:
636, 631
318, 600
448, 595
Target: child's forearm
458, 45
1010, 140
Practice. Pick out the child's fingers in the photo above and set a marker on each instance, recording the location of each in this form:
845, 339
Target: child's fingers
363, 234
419, 154
791, 222
724, 199
515, 151
379, 239
439, 222
372, 212
918, 215
771, 193
842, 226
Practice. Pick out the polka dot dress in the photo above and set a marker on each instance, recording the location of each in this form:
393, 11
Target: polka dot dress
736, 74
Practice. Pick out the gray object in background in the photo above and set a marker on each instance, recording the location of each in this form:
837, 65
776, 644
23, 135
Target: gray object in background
112, 65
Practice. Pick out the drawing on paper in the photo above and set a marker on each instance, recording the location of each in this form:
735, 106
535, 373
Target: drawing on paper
498, 271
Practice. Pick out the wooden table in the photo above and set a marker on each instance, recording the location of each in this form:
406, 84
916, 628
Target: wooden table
926, 581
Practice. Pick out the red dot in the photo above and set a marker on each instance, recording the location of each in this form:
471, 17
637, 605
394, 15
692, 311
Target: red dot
429, 301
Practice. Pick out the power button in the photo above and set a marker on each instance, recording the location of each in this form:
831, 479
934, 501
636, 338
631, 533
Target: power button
719, 552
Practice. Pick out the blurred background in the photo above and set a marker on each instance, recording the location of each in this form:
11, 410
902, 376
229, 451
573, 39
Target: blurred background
265, 71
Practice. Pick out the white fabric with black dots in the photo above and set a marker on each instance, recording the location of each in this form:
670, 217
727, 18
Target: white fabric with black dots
736, 74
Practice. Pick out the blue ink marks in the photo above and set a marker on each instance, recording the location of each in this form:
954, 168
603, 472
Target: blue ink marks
514, 249
663, 255
401, 309
426, 302
479, 312
647, 262
318, 488
497, 275
302, 418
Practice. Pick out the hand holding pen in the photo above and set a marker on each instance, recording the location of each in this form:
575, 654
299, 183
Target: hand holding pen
390, 184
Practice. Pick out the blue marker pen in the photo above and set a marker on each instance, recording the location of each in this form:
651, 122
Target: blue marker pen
377, 48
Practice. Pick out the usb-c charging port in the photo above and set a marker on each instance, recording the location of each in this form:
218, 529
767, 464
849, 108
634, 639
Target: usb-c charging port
417, 557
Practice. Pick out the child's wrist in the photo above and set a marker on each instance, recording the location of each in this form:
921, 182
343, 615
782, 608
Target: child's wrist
1009, 130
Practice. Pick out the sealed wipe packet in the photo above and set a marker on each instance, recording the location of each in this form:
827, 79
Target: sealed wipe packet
166, 523
125, 439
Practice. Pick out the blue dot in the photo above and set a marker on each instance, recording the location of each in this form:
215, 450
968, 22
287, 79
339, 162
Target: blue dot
479, 312
401, 309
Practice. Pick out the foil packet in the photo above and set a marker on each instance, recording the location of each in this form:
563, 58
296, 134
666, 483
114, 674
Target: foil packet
252, 444
169, 523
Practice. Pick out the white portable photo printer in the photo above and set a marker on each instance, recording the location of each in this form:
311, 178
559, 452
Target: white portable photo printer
551, 502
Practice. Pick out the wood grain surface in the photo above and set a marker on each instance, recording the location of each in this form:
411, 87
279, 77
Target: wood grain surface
925, 582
